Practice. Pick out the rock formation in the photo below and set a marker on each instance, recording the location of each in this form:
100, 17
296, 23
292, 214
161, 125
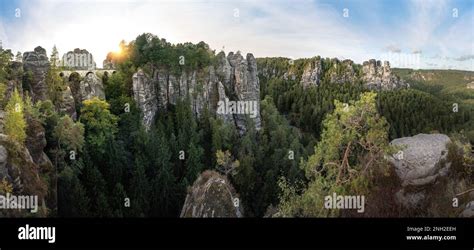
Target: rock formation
343, 72
211, 195
234, 78
144, 92
3, 162
420, 161
311, 74
108, 64
36, 142
79, 59
18, 169
315, 70
15, 82
468, 211
68, 104
2, 121
470, 85
91, 86
380, 77
36, 65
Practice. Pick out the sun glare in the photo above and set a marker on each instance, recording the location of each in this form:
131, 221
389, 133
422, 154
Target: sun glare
118, 51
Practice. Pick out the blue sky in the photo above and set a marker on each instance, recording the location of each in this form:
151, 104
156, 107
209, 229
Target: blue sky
408, 33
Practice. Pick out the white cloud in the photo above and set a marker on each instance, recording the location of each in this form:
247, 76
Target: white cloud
281, 29
294, 29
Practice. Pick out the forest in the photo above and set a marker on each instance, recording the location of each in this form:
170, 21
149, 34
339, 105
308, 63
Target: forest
107, 155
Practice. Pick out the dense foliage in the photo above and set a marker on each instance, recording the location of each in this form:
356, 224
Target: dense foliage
313, 141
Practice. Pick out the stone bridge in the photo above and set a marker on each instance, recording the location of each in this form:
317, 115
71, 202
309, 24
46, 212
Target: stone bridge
84, 73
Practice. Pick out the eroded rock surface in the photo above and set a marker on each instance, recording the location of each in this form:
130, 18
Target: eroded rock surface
311, 74
145, 94
68, 104
468, 212
91, 86
79, 59
19, 170
211, 195
420, 161
233, 78
36, 65
380, 77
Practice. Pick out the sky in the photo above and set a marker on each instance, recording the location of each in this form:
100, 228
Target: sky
427, 34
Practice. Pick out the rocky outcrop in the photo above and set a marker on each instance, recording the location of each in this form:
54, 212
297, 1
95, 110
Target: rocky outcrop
243, 85
423, 76
313, 71
419, 162
106, 64
211, 195
11, 86
342, 72
23, 174
144, 92
468, 211
36, 65
2, 121
470, 85
3, 162
234, 78
15, 80
78, 59
312, 74
380, 77
68, 104
91, 86
36, 142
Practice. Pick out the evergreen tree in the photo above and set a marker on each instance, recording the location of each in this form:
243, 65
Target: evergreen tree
139, 190
350, 153
72, 197
95, 186
55, 83
118, 201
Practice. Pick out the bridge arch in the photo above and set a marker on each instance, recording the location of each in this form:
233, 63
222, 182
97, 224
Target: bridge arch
84, 73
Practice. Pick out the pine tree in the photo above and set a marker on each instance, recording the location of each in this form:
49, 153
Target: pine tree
139, 190
72, 197
193, 162
55, 83
95, 186
350, 153
118, 201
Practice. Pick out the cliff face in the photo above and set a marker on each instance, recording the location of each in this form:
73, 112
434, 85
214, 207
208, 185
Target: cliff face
232, 78
19, 169
36, 65
312, 74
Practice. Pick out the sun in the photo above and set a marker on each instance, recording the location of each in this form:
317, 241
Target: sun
118, 51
